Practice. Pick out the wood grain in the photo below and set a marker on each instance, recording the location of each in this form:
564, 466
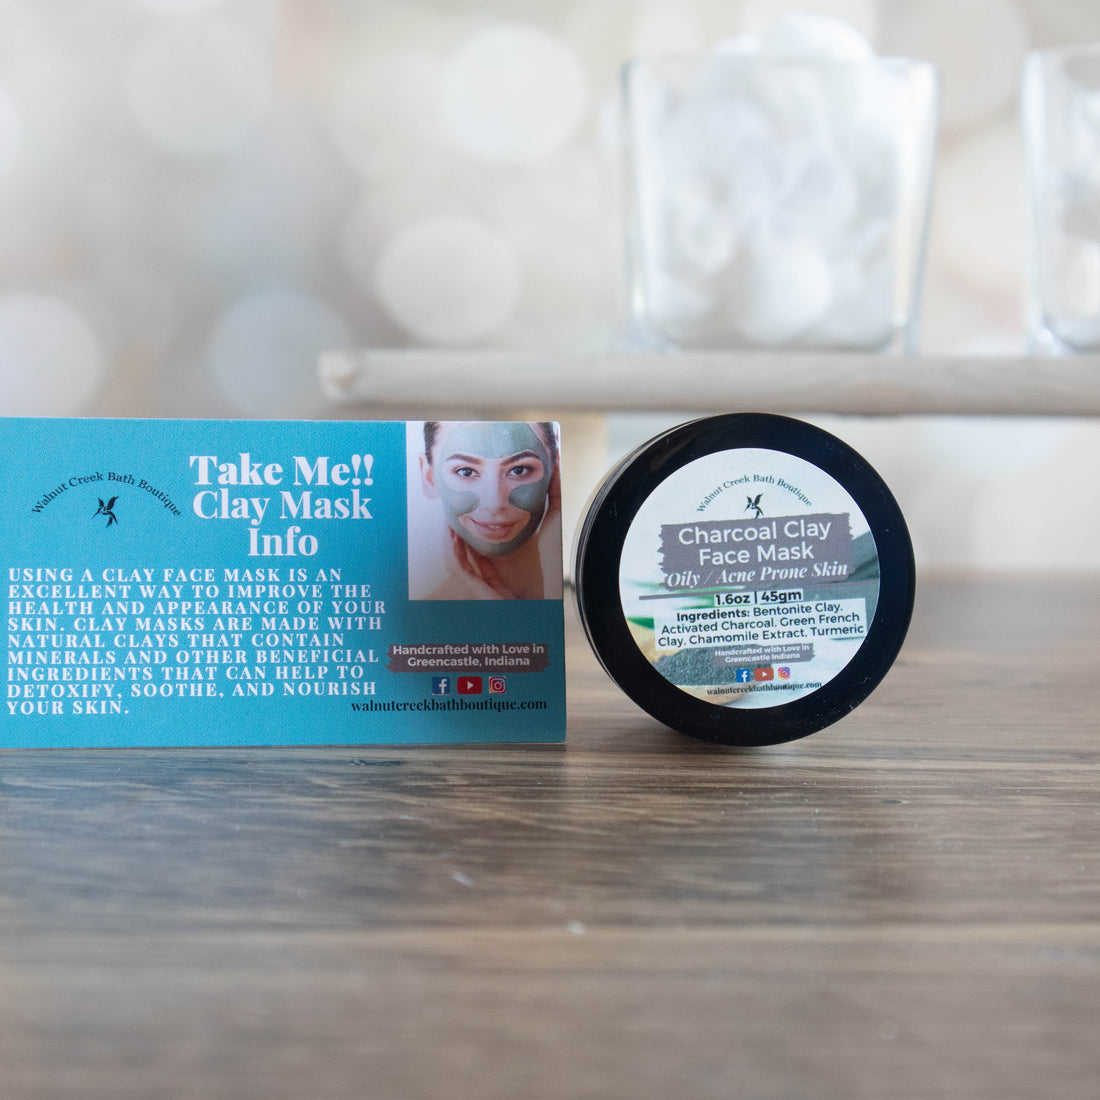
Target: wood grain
904, 905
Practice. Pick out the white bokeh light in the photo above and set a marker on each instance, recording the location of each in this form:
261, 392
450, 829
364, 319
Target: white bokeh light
50, 359
448, 280
386, 209
197, 87
568, 256
513, 95
264, 349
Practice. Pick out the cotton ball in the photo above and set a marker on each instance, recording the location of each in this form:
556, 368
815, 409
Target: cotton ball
860, 15
1079, 195
1089, 107
821, 197
448, 280
679, 311
710, 132
768, 183
1079, 334
811, 35
1071, 295
705, 171
839, 60
778, 289
870, 150
789, 94
702, 230
1076, 178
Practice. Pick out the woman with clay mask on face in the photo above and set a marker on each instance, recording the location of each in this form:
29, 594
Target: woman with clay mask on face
500, 489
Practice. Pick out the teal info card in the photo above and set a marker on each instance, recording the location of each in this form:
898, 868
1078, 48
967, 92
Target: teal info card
174, 582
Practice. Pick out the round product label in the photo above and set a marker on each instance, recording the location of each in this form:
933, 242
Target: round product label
749, 578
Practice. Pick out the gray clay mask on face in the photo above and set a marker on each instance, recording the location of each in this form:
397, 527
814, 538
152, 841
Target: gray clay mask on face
493, 441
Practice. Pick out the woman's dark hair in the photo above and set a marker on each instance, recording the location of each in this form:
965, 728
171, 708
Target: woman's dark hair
545, 428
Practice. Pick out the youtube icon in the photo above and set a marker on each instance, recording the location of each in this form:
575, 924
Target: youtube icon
469, 685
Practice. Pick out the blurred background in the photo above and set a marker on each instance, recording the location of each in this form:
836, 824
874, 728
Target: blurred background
197, 197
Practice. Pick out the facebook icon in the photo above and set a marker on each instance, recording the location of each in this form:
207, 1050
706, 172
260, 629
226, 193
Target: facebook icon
441, 685
743, 675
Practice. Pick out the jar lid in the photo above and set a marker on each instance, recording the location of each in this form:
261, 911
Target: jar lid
746, 579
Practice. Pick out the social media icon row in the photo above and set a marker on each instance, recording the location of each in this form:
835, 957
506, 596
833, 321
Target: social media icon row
467, 685
759, 675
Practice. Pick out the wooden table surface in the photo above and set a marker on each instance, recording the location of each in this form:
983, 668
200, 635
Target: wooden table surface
904, 905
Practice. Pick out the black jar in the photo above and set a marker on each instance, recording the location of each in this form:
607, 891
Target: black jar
746, 579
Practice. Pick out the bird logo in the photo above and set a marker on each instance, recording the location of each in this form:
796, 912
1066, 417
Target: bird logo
107, 510
754, 506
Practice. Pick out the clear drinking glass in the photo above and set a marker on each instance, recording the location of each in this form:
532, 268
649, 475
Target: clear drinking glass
1061, 125
777, 202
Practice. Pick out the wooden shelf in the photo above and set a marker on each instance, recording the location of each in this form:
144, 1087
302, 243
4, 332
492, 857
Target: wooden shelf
376, 380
